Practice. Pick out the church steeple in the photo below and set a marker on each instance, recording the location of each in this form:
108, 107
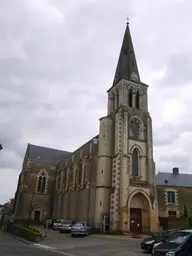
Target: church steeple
127, 64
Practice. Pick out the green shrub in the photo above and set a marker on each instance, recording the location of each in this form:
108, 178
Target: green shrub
28, 229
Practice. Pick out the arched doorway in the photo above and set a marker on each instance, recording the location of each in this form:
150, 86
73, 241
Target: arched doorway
139, 213
38, 214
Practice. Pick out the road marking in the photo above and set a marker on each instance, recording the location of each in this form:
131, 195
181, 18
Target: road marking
53, 249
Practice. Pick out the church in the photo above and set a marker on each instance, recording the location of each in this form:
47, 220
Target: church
110, 180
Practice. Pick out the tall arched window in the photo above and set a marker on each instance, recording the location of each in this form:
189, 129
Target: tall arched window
42, 180
135, 163
39, 184
137, 103
43, 185
117, 98
130, 98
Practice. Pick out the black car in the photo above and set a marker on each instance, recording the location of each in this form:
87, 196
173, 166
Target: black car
147, 243
178, 244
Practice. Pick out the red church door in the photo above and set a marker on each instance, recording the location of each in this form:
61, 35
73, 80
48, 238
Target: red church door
135, 220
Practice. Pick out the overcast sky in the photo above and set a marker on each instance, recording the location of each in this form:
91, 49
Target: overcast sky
58, 58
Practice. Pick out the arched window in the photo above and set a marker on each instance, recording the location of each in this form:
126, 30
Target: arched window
135, 163
137, 103
117, 98
130, 98
41, 182
43, 185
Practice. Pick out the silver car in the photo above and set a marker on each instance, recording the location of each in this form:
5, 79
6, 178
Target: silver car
57, 224
66, 226
81, 229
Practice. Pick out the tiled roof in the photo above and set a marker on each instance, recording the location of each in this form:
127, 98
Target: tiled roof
171, 179
46, 155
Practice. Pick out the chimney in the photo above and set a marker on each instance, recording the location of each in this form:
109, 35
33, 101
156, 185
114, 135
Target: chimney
175, 170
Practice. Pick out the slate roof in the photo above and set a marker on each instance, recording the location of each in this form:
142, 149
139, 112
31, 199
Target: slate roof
127, 63
179, 180
46, 155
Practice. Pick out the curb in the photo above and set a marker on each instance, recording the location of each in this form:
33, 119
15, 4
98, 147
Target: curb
117, 237
21, 240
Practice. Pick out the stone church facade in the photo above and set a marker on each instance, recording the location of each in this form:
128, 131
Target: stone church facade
112, 176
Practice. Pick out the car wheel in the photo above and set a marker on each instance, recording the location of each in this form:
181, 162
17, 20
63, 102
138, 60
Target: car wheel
87, 233
72, 235
60, 231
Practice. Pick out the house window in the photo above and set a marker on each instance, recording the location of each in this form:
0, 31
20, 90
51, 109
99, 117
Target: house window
172, 214
171, 197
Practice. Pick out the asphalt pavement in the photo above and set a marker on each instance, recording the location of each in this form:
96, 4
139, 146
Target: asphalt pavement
63, 244
9, 246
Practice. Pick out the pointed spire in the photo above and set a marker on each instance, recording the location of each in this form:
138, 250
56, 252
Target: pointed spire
127, 64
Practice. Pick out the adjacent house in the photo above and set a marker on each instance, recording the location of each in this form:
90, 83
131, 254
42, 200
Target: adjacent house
174, 192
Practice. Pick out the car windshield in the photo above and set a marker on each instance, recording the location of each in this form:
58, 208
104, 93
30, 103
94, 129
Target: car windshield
178, 238
79, 224
164, 233
57, 221
67, 222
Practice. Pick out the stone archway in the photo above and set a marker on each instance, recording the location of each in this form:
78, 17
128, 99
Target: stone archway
139, 213
38, 214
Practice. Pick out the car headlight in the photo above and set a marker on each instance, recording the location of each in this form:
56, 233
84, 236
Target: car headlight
150, 242
170, 254
155, 245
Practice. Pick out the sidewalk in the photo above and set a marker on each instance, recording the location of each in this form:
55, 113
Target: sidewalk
122, 237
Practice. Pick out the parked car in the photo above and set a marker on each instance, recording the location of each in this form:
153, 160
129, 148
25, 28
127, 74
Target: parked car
81, 229
178, 244
66, 226
57, 224
148, 243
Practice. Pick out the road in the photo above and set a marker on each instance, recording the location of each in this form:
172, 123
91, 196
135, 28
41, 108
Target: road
12, 247
63, 244
93, 245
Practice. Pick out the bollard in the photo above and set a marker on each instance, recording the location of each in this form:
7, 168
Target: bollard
46, 232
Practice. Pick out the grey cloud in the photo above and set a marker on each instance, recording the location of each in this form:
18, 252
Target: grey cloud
58, 58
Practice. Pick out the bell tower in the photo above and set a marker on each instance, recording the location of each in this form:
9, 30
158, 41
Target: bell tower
126, 150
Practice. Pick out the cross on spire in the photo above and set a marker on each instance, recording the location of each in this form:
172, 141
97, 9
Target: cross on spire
127, 20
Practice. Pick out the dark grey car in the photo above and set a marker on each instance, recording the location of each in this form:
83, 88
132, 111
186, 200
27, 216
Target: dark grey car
66, 226
81, 229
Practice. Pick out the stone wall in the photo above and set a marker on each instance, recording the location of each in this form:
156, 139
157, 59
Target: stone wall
76, 186
28, 199
182, 196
